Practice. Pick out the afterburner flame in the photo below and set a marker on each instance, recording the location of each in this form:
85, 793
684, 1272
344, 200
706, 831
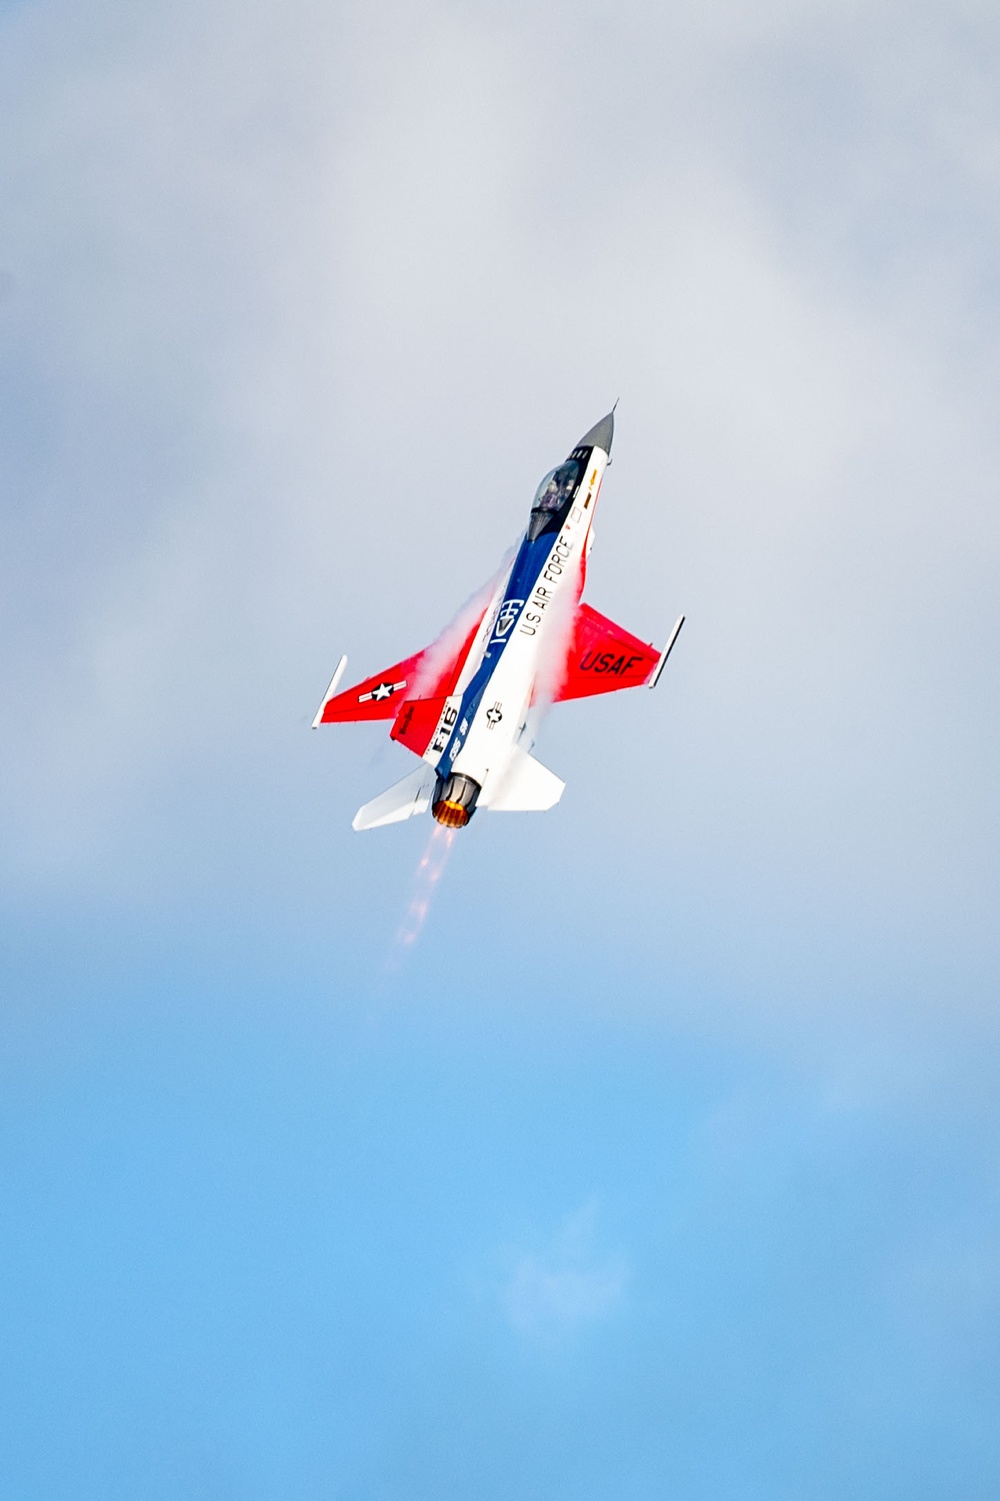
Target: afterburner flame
450, 815
429, 872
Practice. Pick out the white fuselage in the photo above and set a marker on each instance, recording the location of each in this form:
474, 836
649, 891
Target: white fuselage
514, 663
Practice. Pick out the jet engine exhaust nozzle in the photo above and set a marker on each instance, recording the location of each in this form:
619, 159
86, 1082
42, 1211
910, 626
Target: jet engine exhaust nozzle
455, 800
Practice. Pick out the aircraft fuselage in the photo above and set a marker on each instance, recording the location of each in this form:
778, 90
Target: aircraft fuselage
469, 705
517, 649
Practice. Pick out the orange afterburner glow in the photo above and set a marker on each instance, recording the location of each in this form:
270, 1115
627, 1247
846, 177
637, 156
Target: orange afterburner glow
455, 800
452, 815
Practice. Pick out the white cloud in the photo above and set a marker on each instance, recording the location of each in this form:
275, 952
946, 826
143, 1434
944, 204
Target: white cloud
303, 304
565, 1283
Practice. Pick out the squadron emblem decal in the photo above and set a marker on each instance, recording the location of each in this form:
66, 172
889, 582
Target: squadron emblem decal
509, 611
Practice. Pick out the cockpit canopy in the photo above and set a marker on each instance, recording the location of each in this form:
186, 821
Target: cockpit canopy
553, 498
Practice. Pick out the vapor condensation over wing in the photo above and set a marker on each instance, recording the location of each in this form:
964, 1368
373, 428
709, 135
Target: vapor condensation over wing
450, 639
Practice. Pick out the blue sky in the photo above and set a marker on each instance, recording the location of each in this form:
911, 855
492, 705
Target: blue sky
666, 1163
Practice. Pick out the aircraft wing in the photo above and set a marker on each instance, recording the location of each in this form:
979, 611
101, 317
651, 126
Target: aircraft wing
602, 656
431, 673
377, 697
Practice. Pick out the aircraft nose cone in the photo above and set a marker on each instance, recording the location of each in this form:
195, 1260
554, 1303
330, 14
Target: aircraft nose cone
600, 434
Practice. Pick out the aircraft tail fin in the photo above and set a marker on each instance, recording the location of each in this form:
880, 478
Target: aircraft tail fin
411, 795
528, 787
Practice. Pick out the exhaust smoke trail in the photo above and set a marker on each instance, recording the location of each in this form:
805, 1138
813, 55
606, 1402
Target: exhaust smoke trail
429, 872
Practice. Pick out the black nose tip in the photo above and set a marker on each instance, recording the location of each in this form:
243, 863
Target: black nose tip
600, 434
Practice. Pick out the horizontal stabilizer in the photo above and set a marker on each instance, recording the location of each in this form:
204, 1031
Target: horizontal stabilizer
411, 795
528, 787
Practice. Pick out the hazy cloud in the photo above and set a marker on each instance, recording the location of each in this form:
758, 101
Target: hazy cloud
303, 305
567, 1282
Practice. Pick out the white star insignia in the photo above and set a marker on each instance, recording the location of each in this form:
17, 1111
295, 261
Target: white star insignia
381, 692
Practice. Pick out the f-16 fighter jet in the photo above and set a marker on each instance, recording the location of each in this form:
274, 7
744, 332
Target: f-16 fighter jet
469, 706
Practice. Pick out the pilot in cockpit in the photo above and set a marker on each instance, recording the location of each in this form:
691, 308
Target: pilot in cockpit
552, 496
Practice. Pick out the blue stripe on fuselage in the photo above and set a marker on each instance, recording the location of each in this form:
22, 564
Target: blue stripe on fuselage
530, 560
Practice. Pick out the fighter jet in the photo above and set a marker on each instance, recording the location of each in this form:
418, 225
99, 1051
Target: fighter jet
470, 705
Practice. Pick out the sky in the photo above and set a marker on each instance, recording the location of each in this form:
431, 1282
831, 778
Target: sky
665, 1162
